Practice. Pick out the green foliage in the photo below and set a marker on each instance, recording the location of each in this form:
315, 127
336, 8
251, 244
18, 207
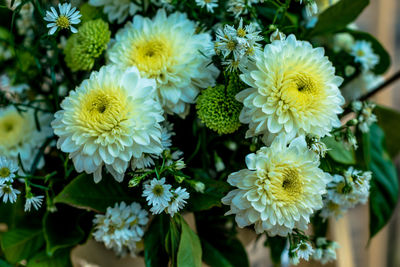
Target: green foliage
277, 244
338, 16
20, 244
339, 152
189, 252
59, 259
384, 57
384, 184
388, 119
84, 193
154, 253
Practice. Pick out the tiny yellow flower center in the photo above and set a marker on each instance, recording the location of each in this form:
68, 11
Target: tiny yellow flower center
231, 45
158, 190
286, 185
63, 22
5, 172
241, 32
360, 53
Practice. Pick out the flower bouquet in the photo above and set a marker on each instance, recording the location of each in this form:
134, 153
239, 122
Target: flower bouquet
118, 117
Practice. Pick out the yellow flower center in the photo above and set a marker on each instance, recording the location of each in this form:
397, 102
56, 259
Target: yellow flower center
5, 172
231, 45
63, 22
152, 56
241, 32
286, 185
158, 190
11, 130
360, 53
103, 111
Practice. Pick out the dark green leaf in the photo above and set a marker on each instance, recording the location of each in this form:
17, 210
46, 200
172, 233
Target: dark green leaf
61, 229
339, 152
172, 238
20, 244
386, 119
59, 259
154, 252
384, 183
189, 252
3, 263
338, 16
213, 257
277, 244
384, 57
82, 192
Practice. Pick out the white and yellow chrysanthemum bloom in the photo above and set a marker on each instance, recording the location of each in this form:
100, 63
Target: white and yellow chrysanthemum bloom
19, 135
281, 187
167, 49
108, 120
294, 91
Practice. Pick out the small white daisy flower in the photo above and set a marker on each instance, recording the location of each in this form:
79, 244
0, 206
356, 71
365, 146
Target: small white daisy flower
157, 193
178, 201
209, 4
304, 250
8, 193
33, 201
8, 168
64, 20
364, 54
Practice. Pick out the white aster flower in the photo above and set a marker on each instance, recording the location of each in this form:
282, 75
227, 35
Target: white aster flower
277, 35
364, 54
67, 17
318, 146
365, 116
110, 119
178, 200
237, 7
209, 4
121, 227
33, 201
118, 10
326, 250
168, 49
294, 91
8, 168
19, 135
304, 250
8, 193
157, 193
280, 190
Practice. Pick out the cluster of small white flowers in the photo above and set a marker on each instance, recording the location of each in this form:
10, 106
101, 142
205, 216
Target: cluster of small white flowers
240, 42
162, 197
67, 17
346, 191
303, 250
209, 4
364, 54
365, 116
121, 227
318, 146
241, 7
325, 251
8, 168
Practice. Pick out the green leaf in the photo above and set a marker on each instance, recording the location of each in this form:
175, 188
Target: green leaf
384, 57
189, 252
338, 16
59, 259
277, 244
20, 244
61, 229
384, 184
172, 238
386, 119
213, 257
339, 152
3, 263
154, 252
83, 193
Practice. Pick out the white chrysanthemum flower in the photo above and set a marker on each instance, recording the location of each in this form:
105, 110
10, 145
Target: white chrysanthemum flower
364, 54
20, 136
303, 250
178, 200
8, 193
33, 201
167, 49
280, 190
8, 168
67, 17
121, 228
108, 120
294, 91
157, 193
209, 4
118, 10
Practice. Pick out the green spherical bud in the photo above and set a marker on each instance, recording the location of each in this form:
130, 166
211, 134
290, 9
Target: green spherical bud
218, 109
84, 47
90, 12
